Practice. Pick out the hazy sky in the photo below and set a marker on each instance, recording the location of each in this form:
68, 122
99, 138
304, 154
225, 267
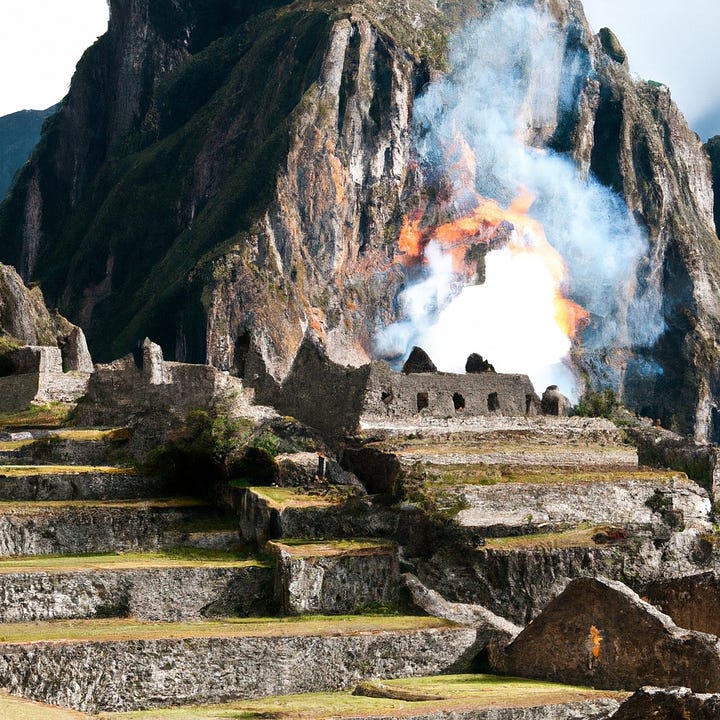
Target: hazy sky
669, 41
40, 44
674, 43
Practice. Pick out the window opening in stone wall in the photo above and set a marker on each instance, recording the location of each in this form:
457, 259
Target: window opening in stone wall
528, 403
493, 402
458, 402
386, 396
423, 401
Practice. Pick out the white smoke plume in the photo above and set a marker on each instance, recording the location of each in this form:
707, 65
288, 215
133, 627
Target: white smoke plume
510, 76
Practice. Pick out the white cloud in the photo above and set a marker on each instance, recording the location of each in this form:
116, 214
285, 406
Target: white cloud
41, 41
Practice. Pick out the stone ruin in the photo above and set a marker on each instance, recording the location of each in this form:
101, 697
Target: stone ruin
45, 374
339, 400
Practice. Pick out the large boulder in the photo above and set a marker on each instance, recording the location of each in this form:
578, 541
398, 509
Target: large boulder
418, 362
600, 633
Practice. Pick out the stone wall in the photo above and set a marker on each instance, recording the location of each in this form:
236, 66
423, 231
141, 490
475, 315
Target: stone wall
444, 395
94, 676
160, 594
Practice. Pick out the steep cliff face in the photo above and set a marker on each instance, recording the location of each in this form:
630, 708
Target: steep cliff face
224, 176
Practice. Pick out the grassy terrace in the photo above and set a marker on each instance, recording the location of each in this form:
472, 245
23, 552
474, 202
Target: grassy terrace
281, 497
577, 537
120, 629
459, 692
53, 415
176, 558
25, 470
480, 474
32, 507
77, 435
332, 548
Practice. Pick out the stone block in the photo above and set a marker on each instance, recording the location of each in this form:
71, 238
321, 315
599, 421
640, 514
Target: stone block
668, 704
331, 578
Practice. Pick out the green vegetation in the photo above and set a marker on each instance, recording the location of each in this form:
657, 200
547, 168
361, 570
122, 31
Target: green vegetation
603, 403
459, 692
9, 471
329, 548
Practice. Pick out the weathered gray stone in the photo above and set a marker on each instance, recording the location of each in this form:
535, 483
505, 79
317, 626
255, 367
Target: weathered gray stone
600, 633
81, 486
309, 580
669, 704
159, 594
78, 528
553, 402
94, 676
492, 629
296, 469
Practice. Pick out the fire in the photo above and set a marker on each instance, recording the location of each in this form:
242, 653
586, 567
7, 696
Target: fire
487, 223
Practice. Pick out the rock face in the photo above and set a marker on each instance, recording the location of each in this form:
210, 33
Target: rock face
223, 181
602, 634
665, 704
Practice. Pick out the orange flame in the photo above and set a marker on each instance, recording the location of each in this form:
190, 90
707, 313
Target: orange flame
481, 226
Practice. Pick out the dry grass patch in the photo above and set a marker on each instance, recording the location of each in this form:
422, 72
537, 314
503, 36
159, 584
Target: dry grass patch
178, 558
122, 629
280, 497
580, 537
333, 548
32, 507
14, 708
53, 415
10, 445
24, 470
92, 434
461, 692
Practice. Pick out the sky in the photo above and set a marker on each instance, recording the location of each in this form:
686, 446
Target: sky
40, 44
666, 40
674, 43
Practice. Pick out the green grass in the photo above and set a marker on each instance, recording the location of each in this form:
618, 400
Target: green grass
578, 537
460, 692
121, 629
177, 558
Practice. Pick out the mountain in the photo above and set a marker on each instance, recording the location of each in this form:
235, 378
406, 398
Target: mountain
225, 176
19, 133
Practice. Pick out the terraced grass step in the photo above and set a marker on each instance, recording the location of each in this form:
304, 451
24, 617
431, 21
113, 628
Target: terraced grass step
77, 482
338, 576
172, 585
72, 527
634, 500
116, 665
76, 446
460, 697
268, 513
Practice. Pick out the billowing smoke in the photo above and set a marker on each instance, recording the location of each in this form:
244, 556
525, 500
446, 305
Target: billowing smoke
481, 133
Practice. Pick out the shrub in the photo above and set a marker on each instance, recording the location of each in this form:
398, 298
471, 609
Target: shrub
602, 403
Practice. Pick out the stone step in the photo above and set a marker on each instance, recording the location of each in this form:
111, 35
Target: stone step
77, 482
68, 446
78, 526
267, 513
460, 697
163, 586
339, 576
120, 665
